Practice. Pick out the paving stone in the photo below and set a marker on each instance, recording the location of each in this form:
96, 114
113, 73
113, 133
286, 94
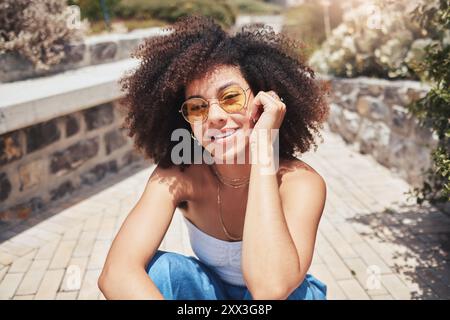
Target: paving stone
85, 244
370, 257
353, 289
383, 297
6, 258
15, 248
99, 252
32, 279
28, 240
52, 227
9, 285
49, 285
322, 273
67, 295
47, 251
106, 229
73, 233
89, 289
27, 297
3, 271
92, 223
22, 264
332, 260
339, 243
395, 286
44, 234
62, 254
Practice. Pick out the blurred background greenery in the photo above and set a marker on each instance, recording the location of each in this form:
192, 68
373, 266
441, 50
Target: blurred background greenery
304, 21
133, 14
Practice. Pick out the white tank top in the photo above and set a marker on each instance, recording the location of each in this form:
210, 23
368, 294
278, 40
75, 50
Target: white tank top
223, 257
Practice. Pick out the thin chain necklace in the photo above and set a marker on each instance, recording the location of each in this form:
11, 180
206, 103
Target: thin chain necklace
219, 204
231, 182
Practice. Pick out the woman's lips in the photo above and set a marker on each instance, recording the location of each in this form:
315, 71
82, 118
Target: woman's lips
224, 138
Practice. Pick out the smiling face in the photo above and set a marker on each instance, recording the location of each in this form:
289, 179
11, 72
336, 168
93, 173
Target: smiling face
224, 134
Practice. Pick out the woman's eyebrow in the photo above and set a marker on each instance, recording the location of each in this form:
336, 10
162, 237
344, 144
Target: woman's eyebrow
218, 89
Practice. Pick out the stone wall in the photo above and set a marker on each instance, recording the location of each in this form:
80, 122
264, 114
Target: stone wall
371, 115
51, 161
92, 51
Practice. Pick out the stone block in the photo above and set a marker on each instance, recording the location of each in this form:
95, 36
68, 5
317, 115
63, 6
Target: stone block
392, 96
41, 135
23, 210
74, 156
74, 53
351, 122
373, 108
335, 117
72, 125
114, 140
99, 116
30, 174
98, 172
103, 52
10, 148
62, 190
401, 120
5, 186
373, 138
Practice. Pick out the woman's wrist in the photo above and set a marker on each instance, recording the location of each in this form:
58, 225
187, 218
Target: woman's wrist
263, 153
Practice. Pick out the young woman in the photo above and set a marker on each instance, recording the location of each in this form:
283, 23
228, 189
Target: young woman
252, 215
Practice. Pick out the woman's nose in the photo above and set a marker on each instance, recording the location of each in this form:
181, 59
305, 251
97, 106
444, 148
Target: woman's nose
216, 115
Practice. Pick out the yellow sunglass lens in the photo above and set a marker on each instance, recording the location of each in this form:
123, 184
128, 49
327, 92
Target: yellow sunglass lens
231, 100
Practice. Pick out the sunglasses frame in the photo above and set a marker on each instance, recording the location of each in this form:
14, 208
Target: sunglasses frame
209, 105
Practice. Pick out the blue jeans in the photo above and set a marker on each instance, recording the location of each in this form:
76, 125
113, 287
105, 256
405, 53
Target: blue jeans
181, 277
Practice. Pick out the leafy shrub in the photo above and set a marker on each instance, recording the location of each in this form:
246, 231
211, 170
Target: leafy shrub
36, 30
171, 10
433, 110
388, 48
92, 10
255, 7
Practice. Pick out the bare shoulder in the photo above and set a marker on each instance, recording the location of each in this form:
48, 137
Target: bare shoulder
173, 180
298, 174
303, 191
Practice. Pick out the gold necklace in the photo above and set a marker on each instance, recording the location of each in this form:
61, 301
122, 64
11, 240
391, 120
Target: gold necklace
219, 204
231, 182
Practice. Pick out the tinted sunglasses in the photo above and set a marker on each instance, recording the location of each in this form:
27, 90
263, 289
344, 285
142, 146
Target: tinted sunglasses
232, 99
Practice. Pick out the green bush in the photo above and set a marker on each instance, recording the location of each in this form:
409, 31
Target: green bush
255, 7
36, 30
171, 10
433, 110
92, 10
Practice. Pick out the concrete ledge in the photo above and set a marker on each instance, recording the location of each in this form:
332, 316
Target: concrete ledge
90, 51
24, 103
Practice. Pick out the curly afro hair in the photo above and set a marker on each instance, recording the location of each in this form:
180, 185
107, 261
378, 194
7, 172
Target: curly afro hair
154, 91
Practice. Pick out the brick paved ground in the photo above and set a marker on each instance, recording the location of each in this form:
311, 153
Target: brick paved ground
372, 242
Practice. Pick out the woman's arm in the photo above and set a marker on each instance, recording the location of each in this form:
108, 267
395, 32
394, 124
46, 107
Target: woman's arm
124, 275
280, 230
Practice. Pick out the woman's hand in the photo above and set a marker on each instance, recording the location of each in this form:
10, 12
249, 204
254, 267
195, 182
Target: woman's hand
268, 111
